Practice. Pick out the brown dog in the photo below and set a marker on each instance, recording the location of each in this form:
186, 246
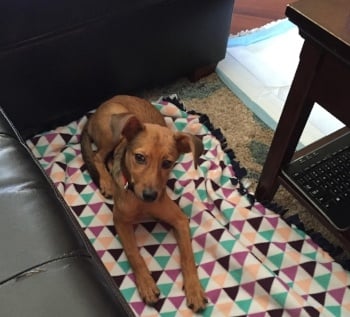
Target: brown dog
144, 151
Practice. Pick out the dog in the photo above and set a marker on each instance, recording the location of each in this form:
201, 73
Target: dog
129, 152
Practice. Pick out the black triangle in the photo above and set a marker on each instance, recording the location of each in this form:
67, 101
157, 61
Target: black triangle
263, 247
78, 209
119, 279
320, 297
309, 267
255, 222
116, 253
297, 245
225, 262
217, 233
151, 249
266, 283
232, 292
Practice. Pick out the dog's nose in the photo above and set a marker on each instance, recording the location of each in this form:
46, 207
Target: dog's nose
149, 195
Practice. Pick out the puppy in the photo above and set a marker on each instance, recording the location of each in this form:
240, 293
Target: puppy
135, 152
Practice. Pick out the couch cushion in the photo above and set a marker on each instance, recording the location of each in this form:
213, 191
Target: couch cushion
56, 16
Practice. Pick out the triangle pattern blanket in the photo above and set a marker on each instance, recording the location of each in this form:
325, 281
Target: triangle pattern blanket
250, 261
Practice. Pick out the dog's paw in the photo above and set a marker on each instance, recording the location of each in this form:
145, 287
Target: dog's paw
196, 298
106, 188
148, 289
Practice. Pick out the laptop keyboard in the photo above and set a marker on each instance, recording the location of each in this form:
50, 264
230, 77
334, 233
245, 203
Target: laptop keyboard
323, 176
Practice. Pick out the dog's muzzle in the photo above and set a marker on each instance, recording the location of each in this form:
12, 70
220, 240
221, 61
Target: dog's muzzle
149, 195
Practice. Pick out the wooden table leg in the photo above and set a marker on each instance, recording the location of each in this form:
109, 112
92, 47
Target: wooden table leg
296, 111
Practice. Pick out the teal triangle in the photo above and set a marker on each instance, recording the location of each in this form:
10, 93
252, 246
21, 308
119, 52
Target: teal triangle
228, 245
198, 256
69, 157
228, 212
204, 169
244, 304
128, 293
323, 280
277, 259
165, 288
162, 260
202, 193
205, 282
87, 197
125, 266
280, 298
87, 178
187, 210
181, 125
208, 312
193, 230
335, 310
42, 149
169, 314
72, 130
86, 220
224, 179
178, 173
92, 240
267, 235
312, 255
159, 236
237, 274
207, 144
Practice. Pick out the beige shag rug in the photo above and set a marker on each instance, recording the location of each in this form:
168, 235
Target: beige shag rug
247, 136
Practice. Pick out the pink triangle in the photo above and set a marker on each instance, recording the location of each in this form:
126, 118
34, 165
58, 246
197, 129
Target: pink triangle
169, 247
291, 272
50, 137
138, 307
189, 196
226, 191
186, 165
96, 230
95, 207
173, 274
214, 295
273, 221
100, 253
177, 301
240, 257
209, 267
238, 224
337, 294
198, 217
249, 288
201, 239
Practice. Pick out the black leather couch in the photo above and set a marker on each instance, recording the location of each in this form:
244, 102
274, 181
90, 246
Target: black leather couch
58, 60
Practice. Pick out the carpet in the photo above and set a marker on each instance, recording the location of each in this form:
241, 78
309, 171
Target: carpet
251, 260
259, 68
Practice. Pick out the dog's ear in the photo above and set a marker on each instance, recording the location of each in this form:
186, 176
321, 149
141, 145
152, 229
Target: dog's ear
186, 142
125, 124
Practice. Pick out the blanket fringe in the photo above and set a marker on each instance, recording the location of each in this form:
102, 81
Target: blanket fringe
241, 172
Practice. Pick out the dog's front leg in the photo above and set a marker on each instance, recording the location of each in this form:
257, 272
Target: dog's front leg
146, 286
172, 214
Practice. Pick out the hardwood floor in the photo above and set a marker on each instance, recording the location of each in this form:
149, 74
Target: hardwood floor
250, 14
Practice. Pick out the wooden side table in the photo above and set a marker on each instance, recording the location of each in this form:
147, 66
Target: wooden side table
322, 76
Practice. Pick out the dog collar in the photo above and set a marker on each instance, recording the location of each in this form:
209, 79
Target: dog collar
126, 184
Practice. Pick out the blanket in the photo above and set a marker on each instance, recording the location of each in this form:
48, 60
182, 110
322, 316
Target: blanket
250, 261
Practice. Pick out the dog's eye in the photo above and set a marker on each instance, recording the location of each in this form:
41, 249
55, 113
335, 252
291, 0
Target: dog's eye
166, 164
139, 158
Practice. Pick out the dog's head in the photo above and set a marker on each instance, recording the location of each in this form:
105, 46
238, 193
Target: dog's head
151, 152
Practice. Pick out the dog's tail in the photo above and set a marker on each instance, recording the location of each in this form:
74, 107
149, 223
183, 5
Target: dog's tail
88, 155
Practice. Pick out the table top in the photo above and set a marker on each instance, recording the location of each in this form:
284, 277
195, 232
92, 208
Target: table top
326, 22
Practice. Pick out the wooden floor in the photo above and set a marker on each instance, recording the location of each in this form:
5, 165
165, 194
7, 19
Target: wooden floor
250, 14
